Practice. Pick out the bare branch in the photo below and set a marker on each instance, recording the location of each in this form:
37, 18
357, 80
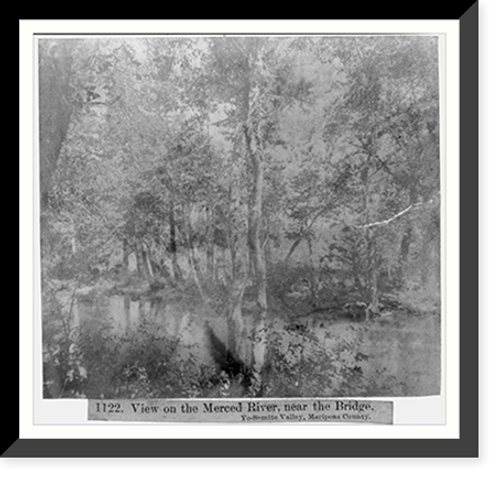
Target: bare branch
385, 222
397, 215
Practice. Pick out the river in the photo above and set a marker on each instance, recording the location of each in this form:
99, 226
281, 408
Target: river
400, 353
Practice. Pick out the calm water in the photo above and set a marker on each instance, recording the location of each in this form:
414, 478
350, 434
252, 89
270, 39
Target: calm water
400, 351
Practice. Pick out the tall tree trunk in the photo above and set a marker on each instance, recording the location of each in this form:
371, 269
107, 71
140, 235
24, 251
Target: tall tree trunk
371, 250
238, 331
403, 256
407, 238
256, 252
143, 311
139, 261
73, 236
144, 260
312, 275
373, 307
232, 202
268, 250
125, 271
257, 261
173, 244
195, 267
210, 242
428, 267
126, 305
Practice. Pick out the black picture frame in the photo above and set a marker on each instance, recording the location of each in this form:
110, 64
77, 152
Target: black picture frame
466, 445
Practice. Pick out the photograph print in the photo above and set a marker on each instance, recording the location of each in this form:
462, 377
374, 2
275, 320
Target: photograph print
239, 216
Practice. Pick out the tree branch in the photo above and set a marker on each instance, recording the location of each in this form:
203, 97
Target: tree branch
237, 45
385, 222
397, 215
107, 103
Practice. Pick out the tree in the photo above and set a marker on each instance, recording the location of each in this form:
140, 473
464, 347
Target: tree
55, 105
383, 117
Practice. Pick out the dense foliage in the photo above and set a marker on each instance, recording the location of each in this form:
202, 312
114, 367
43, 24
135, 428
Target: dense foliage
253, 180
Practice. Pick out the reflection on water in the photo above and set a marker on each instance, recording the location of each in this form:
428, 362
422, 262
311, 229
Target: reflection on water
124, 316
409, 351
400, 349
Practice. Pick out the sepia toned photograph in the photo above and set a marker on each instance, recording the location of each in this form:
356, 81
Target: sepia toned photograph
239, 216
